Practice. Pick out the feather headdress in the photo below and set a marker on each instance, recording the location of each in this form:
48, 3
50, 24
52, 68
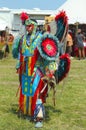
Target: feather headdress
24, 16
59, 26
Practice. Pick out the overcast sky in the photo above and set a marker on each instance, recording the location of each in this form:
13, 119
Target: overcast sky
30, 4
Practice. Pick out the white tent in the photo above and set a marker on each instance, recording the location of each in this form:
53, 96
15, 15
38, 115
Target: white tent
3, 25
75, 10
4, 22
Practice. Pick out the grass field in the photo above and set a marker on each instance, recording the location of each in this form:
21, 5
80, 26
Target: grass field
69, 112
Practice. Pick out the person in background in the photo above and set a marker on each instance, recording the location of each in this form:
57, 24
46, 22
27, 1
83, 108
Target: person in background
80, 45
69, 44
5, 50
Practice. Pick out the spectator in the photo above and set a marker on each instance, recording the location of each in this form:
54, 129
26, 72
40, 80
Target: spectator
69, 43
80, 45
5, 50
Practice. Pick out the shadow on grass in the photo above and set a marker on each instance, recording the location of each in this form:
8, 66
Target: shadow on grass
19, 113
49, 110
14, 108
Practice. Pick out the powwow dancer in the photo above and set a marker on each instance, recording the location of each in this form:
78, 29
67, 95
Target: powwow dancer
39, 64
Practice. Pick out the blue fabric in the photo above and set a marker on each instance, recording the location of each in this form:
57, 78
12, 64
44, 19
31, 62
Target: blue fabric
27, 53
36, 82
29, 48
28, 40
29, 88
27, 103
26, 85
37, 109
39, 101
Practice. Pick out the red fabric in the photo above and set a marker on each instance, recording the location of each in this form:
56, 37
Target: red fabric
48, 28
34, 99
21, 100
40, 86
21, 96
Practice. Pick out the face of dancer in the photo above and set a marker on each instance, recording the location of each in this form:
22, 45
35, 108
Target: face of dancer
29, 28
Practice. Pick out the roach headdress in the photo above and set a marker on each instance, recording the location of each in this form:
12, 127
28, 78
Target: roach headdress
24, 16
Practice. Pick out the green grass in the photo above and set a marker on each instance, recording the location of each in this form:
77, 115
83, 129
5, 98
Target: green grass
69, 112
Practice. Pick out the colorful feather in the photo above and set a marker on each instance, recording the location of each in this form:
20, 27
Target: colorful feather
15, 47
48, 47
63, 68
62, 25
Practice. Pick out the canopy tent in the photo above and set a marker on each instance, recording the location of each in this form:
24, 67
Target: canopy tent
75, 10
3, 25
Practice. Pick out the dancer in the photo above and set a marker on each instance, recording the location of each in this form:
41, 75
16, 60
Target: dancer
39, 65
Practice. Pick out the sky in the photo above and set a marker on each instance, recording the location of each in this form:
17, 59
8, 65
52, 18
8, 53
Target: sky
30, 4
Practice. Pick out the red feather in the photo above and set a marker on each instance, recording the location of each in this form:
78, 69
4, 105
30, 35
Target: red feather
67, 68
62, 15
24, 16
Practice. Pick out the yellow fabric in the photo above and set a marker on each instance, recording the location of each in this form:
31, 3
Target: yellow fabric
30, 102
24, 104
29, 66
